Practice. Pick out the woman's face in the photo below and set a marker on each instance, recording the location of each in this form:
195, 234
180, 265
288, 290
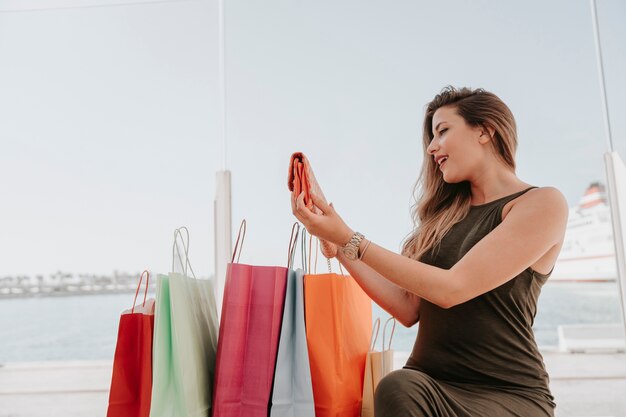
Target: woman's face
456, 146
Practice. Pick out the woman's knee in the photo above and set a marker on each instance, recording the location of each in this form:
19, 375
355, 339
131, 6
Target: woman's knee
388, 385
397, 394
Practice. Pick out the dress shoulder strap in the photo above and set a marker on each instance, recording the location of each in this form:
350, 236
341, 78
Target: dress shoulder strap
503, 200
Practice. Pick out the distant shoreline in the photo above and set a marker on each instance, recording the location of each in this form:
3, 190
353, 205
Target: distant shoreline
65, 293
61, 284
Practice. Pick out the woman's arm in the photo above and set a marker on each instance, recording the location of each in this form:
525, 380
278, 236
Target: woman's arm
397, 301
532, 227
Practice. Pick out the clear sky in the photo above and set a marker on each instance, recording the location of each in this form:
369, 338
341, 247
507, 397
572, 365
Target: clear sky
109, 116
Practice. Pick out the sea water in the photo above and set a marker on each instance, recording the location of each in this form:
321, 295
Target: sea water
85, 327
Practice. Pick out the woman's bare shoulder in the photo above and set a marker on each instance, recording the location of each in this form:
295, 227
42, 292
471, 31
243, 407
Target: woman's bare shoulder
550, 200
546, 196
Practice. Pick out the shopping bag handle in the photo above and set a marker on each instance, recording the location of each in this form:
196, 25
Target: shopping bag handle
310, 256
242, 226
176, 250
145, 294
340, 268
303, 249
317, 244
375, 329
293, 241
393, 329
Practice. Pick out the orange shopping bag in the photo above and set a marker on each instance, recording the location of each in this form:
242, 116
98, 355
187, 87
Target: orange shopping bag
338, 318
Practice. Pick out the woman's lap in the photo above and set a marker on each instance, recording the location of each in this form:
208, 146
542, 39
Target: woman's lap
411, 393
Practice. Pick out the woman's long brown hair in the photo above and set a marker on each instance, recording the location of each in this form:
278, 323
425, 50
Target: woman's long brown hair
440, 205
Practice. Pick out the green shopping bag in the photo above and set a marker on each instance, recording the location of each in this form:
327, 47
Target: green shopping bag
185, 341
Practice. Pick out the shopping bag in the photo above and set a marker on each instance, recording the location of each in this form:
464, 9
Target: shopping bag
367, 404
338, 317
185, 340
292, 395
131, 381
250, 325
386, 356
377, 365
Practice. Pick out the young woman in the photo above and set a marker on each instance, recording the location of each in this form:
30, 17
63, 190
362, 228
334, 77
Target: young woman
485, 242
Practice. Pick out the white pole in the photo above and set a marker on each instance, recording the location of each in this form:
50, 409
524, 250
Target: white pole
223, 239
605, 106
222, 80
222, 207
615, 174
616, 181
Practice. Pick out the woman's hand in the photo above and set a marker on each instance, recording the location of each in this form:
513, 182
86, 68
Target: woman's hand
327, 226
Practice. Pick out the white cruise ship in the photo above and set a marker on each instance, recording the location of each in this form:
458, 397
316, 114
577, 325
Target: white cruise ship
588, 252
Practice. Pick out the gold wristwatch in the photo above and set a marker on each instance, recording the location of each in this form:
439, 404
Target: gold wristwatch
351, 249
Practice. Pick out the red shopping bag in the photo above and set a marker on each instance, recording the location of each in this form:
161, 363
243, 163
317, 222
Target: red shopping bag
247, 346
131, 382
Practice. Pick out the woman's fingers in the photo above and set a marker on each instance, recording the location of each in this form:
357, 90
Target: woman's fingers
294, 207
308, 215
298, 208
320, 203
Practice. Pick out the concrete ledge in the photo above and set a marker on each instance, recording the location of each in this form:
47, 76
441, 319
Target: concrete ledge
589, 338
584, 385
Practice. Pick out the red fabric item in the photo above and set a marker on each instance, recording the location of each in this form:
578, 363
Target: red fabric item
131, 383
250, 325
301, 178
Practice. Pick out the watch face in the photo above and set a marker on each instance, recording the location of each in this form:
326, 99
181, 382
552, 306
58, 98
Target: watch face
350, 253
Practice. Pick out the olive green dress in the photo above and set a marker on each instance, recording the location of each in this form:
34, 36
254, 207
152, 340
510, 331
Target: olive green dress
478, 358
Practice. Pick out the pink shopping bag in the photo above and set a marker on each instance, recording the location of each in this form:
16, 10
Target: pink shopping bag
250, 325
